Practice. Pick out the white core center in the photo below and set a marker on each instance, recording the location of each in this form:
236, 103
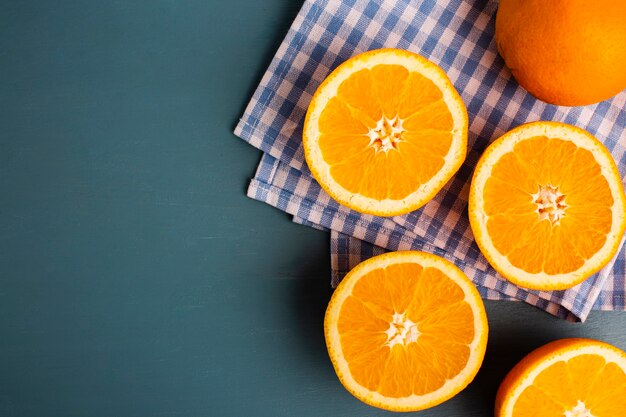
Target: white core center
401, 330
386, 135
550, 203
580, 410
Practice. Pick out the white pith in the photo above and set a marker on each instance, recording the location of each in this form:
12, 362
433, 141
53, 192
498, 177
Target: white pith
580, 410
386, 135
451, 386
425, 192
478, 218
526, 379
550, 203
401, 331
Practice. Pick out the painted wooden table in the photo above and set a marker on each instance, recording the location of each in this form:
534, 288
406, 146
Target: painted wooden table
136, 279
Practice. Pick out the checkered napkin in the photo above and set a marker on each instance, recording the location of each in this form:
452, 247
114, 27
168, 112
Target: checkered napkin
347, 252
458, 36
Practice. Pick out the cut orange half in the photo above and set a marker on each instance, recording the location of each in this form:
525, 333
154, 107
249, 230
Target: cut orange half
385, 131
566, 378
547, 205
406, 331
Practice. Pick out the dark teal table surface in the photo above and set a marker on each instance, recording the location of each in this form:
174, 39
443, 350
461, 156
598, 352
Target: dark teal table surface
136, 279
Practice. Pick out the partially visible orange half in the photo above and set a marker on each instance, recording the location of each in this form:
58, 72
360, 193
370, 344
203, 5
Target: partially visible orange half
566, 378
547, 205
385, 131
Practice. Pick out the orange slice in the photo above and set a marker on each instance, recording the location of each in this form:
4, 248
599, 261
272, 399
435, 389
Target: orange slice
406, 331
566, 378
547, 205
385, 131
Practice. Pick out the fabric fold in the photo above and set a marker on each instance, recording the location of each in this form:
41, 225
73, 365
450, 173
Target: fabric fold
290, 190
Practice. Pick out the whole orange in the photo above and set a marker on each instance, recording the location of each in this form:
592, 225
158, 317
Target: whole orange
565, 52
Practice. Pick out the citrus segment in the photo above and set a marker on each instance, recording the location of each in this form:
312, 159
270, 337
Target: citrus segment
389, 82
418, 92
547, 205
405, 331
569, 377
385, 131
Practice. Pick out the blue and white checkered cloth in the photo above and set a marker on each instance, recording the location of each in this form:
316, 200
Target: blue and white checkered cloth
458, 36
347, 252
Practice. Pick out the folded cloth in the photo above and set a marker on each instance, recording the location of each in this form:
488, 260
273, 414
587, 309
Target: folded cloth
458, 36
296, 193
347, 252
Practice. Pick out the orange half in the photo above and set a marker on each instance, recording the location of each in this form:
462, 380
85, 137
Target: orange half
406, 331
547, 205
385, 131
569, 378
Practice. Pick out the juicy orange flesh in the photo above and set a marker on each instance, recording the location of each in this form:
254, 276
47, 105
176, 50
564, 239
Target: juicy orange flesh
362, 100
514, 225
427, 297
587, 378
